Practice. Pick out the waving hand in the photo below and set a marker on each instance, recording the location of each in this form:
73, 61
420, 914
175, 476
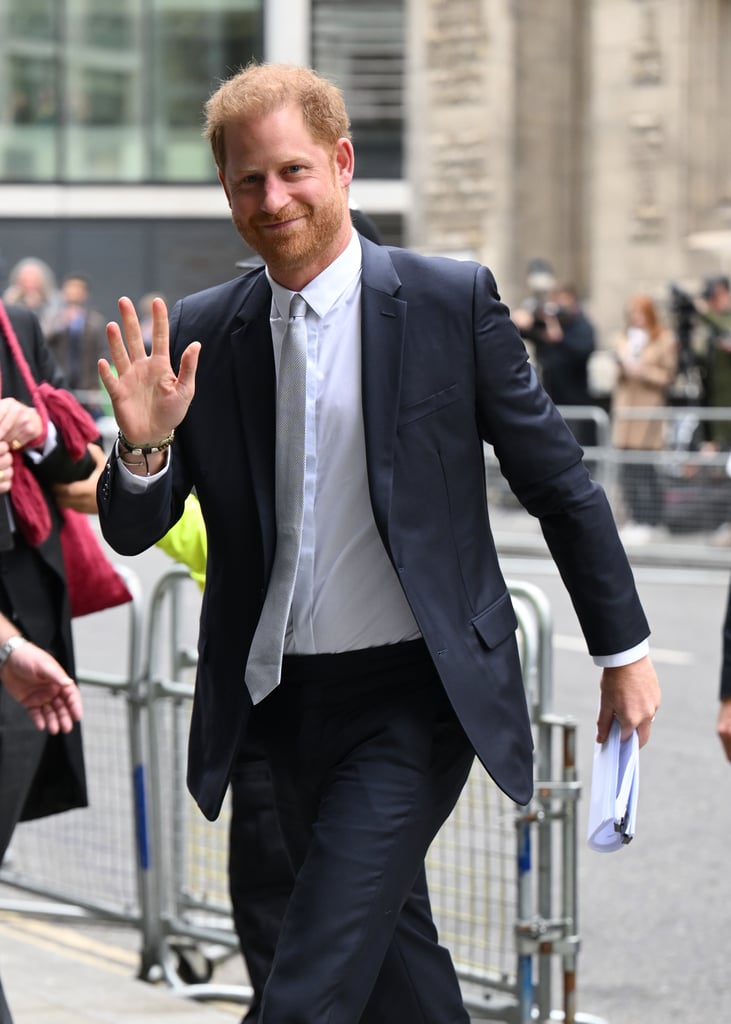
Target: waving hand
148, 399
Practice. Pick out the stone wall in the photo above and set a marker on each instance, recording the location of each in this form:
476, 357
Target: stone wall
592, 133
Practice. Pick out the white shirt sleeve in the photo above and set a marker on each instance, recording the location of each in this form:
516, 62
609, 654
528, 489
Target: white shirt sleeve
623, 657
39, 454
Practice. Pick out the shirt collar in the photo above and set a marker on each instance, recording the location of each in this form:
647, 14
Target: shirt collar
324, 290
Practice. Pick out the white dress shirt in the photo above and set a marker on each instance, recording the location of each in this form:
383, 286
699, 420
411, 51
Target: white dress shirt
347, 594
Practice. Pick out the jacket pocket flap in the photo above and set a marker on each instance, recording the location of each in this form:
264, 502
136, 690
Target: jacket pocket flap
427, 406
497, 622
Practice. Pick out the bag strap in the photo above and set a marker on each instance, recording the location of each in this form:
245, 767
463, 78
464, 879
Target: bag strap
74, 425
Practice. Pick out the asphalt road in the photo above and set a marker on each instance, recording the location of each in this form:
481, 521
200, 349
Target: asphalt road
653, 916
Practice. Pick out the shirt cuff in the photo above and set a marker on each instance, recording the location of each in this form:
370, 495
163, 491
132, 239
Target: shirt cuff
39, 454
623, 657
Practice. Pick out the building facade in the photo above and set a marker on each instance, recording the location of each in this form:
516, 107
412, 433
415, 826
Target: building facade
589, 133
103, 169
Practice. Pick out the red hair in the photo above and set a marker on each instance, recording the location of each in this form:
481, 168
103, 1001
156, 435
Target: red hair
646, 306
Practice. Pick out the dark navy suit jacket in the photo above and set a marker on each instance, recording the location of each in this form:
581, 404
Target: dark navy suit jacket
443, 370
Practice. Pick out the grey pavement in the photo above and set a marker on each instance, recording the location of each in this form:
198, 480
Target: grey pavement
54, 973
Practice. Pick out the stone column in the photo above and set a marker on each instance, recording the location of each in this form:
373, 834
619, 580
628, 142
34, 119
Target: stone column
640, 154
497, 133
460, 136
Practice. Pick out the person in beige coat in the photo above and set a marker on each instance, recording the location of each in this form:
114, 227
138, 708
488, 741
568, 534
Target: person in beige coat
647, 362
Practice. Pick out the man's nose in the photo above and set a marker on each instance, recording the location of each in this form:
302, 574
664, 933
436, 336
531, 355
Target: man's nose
275, 195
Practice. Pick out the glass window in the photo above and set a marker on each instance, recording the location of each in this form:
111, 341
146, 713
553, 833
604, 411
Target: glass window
29, 73
186, 73
32, 19
103, 53
360, 45
113, 90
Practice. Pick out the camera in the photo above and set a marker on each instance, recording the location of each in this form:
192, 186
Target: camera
683, 313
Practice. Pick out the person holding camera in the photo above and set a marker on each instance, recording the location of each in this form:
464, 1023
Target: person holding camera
563, 340
714, 309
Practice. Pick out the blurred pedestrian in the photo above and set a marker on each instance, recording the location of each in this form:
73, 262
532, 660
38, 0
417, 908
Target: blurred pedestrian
714, 307
36, 681
77, 338
647, 361
38, 684
32, 283
41, 772
563, 339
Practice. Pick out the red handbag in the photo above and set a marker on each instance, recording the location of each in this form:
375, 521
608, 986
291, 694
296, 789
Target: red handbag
92, 581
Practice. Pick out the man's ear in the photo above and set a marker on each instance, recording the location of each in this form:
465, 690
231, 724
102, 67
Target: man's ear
344, 161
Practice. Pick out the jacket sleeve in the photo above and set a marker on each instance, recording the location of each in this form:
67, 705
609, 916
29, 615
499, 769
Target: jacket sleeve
542, 462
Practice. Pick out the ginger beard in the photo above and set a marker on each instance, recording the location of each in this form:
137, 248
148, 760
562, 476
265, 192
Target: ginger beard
306, 240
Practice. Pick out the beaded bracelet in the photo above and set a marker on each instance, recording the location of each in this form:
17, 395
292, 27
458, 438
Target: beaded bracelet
145, 449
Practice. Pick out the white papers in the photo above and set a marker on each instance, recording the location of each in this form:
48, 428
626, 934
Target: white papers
615, 785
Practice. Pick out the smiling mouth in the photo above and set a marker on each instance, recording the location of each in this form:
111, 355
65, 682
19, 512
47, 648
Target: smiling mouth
276, 225
282, 222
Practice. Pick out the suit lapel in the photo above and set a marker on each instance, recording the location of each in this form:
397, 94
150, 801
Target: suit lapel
383, 324
253, 365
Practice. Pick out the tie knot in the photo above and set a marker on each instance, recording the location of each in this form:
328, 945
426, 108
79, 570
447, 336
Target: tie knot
297, 305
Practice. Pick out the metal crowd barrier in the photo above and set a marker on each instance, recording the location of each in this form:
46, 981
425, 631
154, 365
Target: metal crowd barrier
502, 878
685, 485
90, 862
683, 490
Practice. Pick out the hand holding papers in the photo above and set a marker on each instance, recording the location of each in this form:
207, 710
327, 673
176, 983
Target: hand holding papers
615, 785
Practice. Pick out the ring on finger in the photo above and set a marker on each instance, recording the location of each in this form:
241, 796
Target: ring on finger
15, 444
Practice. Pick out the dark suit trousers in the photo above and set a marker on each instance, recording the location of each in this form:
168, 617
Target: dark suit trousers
259, 872
368, 760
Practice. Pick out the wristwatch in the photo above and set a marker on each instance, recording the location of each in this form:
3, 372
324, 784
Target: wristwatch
9, 646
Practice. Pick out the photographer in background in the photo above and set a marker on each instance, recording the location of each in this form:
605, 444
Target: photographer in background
714, 309
563, 340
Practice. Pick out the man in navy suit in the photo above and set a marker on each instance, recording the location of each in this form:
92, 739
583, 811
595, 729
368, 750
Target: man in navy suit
400, 659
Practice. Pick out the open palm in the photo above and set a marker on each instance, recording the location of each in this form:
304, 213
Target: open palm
148, 399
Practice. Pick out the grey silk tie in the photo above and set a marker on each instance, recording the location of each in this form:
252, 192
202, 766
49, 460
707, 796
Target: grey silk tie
264, 665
